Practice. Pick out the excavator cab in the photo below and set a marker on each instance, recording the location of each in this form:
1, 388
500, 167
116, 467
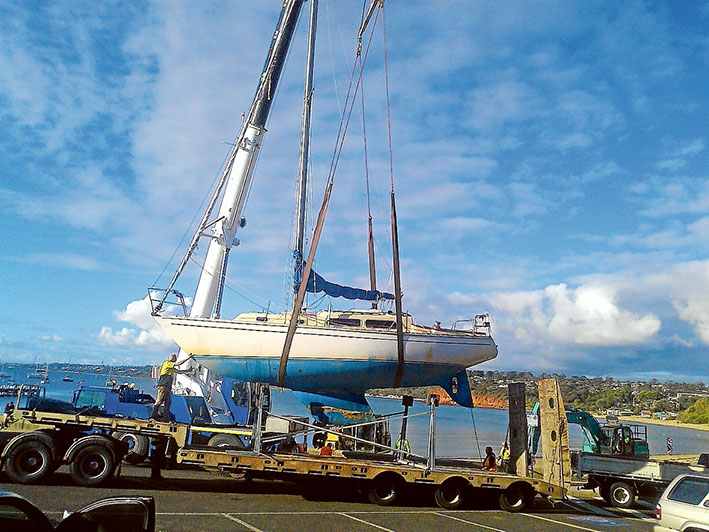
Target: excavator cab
625, 440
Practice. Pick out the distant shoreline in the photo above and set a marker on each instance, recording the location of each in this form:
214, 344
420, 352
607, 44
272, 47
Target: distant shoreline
666, 423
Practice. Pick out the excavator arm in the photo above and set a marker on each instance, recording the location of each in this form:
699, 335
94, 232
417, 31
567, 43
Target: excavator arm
591, 428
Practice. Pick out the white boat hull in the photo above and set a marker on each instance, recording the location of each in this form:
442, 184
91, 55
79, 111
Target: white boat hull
322, 358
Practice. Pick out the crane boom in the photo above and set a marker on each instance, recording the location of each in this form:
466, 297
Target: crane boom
238, 172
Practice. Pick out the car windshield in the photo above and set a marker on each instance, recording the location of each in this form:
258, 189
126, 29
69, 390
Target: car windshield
691, 490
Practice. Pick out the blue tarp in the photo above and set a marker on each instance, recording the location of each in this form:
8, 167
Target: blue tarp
317, 283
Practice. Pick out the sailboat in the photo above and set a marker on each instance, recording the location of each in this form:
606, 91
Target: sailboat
331, 357
38, 373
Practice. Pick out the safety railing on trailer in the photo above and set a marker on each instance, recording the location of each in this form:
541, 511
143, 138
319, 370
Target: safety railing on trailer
160, 301
260, 442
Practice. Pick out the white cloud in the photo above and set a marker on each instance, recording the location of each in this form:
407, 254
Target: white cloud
62, 260
687, 288
527, 199
558, 317
590, 315
677, 158
500, 103
148, 334
615, 310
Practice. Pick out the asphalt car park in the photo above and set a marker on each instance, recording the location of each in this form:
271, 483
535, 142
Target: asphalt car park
203, 501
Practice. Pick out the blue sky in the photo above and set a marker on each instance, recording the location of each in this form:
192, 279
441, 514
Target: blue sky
550, 161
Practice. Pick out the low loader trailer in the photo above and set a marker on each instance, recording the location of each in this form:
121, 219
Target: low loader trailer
385, 476
35, 443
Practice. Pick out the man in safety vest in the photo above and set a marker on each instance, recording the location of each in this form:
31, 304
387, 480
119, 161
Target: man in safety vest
503, 456
167, 371
402, 445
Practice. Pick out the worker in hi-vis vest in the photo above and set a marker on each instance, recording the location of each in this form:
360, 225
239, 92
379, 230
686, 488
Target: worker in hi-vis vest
167, 371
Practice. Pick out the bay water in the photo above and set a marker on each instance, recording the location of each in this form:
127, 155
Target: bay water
460, 432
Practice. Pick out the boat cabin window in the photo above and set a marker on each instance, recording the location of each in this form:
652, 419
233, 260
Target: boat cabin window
344, 322
380, 324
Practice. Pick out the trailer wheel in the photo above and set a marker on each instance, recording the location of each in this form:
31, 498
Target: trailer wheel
517, 498
137, 446
28, 462
92, 465
226, 440
385, 490
451, 494
622, 495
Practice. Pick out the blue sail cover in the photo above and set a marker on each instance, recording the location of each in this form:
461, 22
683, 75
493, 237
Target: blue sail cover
316, 283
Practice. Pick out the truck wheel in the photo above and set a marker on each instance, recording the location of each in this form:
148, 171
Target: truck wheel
92, 465
451, 494
137, 446
517, 498
385, 490
28, 462
622, 495
226, 440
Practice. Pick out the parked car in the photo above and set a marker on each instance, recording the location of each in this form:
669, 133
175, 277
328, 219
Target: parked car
114, 514
684, 505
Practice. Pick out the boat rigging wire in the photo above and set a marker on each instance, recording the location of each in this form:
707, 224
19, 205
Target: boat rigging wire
394, 224
475, 429
198, 261
194, 217
370, 236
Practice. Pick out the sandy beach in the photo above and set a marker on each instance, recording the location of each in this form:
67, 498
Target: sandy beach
664, 422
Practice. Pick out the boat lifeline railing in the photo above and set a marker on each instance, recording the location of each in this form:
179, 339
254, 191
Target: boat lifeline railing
159, 303
480, 325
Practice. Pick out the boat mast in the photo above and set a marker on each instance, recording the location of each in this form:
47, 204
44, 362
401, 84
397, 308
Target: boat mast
238, 173
308, 265
305, 136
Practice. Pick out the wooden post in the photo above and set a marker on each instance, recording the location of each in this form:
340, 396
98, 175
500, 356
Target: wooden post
518, 429
555, 434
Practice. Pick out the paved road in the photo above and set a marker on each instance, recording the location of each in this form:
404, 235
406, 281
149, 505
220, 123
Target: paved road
200, 501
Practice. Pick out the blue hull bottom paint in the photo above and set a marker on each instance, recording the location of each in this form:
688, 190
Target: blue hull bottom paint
342, 382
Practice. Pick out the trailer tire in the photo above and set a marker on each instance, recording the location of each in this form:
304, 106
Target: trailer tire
138, 446
226, 440
517, 497
451, 494
622, 495
29, 461
92, 465
385, 490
